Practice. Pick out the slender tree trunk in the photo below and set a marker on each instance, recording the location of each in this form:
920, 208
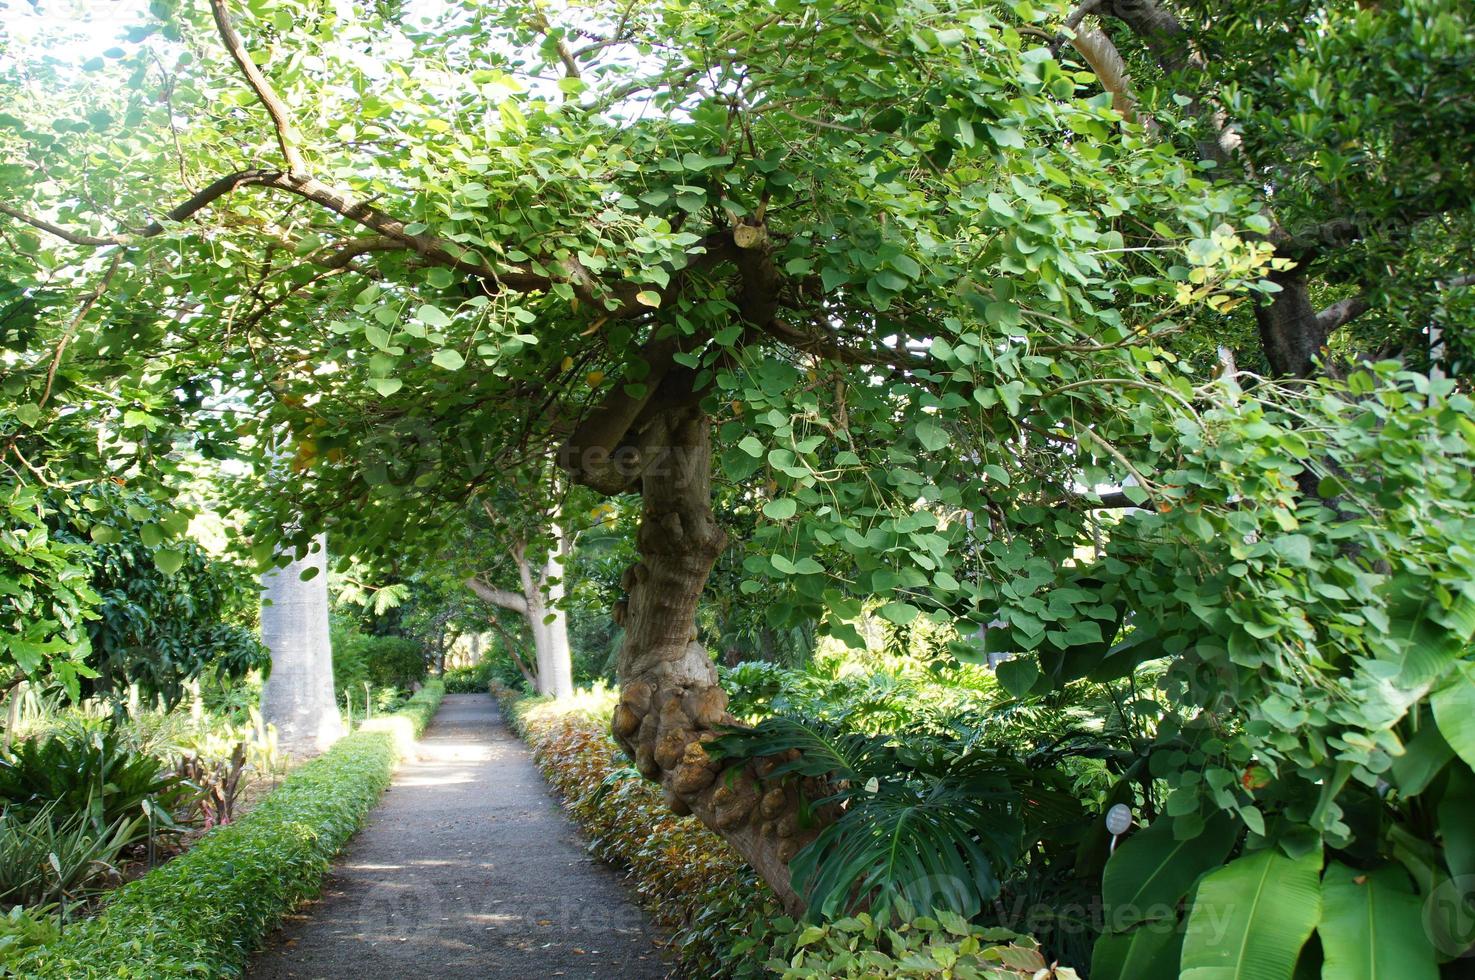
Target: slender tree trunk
670, 701
555, 661
298, 696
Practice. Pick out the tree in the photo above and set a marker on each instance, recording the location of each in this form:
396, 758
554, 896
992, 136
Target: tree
160, 622
539, 556
903, 271
298, 694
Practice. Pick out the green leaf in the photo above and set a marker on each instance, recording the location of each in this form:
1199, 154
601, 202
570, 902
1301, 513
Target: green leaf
900, 613
168, 560
433, 316
448, 358
1151, 872
386, 386
781, 509
1372, 926
1018, 676
931, 435
1149, 952
1252, 916
648, 297
1423, 757
1454, 711
831, 277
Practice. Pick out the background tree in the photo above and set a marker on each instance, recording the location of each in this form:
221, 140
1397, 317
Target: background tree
298, 696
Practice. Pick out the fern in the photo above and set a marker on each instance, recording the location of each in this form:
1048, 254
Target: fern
921, 823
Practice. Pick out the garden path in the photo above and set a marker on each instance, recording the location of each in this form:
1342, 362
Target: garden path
467, 868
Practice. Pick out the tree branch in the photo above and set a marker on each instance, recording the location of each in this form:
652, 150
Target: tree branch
1106, 62
1340, 313
1173, 49
280, 119
570, 64
501, 598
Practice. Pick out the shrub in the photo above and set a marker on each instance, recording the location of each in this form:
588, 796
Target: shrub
724, 921
48, 859
922, 946
22, 929
203, 913
468, 680
382, 661
88, 773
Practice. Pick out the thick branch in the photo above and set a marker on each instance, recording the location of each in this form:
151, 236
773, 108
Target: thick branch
570, 64
275, 108
1174, 51
1093, 44
1339, 313
501, 598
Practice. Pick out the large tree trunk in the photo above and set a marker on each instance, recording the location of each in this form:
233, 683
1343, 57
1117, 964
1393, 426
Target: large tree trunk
1290, 330
298, 696
670, 701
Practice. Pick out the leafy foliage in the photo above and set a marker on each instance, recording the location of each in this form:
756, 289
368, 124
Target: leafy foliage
45, 597
53, 856
92, 775
165, 616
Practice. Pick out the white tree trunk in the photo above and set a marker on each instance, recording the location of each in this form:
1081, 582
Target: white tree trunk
298, 697
555, 663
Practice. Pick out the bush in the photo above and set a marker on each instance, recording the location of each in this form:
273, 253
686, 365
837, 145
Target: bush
46, 858
22, 929
203, 913
724, 921
382, 661
91, 774
468, 680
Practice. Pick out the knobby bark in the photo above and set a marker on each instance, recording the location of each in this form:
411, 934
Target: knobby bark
671, 705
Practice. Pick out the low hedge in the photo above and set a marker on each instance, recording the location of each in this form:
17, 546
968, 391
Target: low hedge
203, 913
724, 921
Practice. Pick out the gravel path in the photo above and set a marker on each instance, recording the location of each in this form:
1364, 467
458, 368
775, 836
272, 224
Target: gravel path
467, 868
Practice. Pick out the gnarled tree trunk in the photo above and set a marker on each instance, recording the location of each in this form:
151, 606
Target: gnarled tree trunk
670, 702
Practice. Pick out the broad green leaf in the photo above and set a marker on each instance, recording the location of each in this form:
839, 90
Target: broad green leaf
168, 560
1252, 916
931, 435
1151, 872
781, 509
448, 358
1423, 757
386, 386
1372, 926
432, 315
1148, 952
1454, 711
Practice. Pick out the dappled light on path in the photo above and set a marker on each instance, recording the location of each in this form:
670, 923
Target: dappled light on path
466, 869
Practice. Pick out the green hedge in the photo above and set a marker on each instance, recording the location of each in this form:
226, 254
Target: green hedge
203, 913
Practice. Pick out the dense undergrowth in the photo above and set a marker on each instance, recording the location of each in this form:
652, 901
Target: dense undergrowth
203, 913
723, 921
